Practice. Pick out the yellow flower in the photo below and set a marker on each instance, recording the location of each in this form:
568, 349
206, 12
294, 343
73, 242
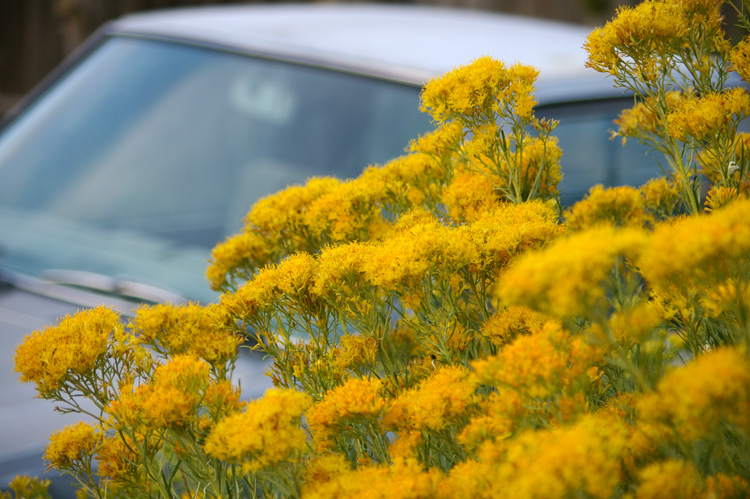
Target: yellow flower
246, 249
643, 120
699, 249
268, 432
404, 479
117, 458
720, 196
26, 487
290, 277
503, 327
73, 446
169, 401
354, 399
469, 196
185, 329
622, 206
671, 478
569, 276
538, 364
661, 197
697, 398
699, 117
465, 90
740, 58
73, 347
440, 142
356, 351
447, 394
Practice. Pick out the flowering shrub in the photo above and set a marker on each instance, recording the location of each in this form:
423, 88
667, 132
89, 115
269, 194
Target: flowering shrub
439, 328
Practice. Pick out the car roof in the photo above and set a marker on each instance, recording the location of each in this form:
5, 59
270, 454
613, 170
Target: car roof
405, 43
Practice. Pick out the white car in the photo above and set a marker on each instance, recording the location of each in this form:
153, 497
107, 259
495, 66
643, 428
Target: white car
122, 170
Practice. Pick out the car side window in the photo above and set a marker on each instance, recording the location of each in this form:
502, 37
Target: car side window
591, 156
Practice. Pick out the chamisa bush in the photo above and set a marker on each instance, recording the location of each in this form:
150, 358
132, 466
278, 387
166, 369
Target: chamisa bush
440, 328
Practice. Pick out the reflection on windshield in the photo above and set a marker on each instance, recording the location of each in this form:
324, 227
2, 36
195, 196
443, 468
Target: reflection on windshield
169, 145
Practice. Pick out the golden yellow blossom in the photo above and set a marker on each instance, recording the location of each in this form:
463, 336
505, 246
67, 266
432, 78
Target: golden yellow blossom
440, 142
720, 196
623, 206
170, 400
568, 277
245, 249
704, 116
661, 197
469, 195
72, 347
538, 364
447, 394
72, 446
740, 58
697, 398
267, 432
28, 488
353, 399
185, 329
671, 478
643, 119
485, 84
404, 479
503, 327
701, 249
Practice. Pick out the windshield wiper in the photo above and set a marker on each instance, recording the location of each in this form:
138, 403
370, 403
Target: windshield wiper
120, 287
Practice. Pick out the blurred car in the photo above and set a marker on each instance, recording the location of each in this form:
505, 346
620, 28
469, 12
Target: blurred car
121, 171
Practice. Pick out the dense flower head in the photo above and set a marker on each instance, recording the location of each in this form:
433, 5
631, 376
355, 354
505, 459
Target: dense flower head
444, 396
672, 478
72, 347
740, 58
697, 397
170, 400
644, 119
700, 249
661, 197
242, 250
622, 205
700, 117
566, 278
185, 329
469, 195
355, 398
267, 432
73, 445
291, 276
539, 364
652, 29
485, 84
583, 457
404, 479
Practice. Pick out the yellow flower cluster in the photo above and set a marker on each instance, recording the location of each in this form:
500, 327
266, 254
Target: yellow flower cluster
267, 432
72, 446
699, 117
187, 329
74, 346
170, 400
697, 398
436, 401
699, 249
569, 276
486, 84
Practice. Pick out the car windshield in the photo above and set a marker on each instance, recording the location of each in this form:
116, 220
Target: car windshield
149, 153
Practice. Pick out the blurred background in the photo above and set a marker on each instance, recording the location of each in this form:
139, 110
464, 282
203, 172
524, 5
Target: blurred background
35, 35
